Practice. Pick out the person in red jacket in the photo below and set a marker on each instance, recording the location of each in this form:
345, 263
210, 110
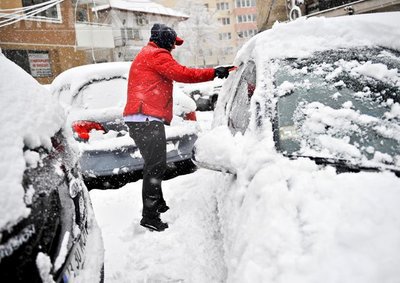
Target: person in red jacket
149, 106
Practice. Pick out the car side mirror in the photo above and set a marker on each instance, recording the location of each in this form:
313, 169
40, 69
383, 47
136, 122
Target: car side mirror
215, 150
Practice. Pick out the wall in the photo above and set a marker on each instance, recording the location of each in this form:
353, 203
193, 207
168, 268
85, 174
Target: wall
56, 38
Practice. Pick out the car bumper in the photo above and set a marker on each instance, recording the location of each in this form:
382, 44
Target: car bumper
100, 163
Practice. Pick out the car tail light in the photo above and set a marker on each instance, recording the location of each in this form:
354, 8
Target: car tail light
190, 116
83, 128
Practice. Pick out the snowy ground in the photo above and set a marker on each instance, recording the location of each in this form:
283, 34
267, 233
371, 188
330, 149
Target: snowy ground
189, 251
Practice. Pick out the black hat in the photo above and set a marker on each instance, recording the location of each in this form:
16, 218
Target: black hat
164, 36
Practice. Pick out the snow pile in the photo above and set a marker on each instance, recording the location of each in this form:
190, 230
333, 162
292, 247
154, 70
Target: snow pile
378, 71
290, 220
278, 221
182, 103
296, 224
205, 88
30, 117
190, 250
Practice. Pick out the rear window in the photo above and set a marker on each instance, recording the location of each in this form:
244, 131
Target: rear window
102, 94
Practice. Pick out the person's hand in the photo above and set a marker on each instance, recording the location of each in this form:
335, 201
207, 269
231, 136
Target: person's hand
222, 72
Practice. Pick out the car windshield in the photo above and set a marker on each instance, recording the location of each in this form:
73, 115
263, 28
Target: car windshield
102, 94
341, 104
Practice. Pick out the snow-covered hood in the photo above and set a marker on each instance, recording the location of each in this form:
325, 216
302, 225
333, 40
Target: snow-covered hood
29, 117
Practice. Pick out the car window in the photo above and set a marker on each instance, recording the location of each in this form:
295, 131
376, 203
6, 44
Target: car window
342, 104
102, 94
239, 115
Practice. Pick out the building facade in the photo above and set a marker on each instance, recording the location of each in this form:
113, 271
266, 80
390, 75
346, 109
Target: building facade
61, 36
235, 21
131, 22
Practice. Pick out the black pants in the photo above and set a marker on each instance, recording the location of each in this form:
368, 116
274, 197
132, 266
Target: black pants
150, 139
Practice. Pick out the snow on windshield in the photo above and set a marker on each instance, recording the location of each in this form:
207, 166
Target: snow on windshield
341, 108
30, 117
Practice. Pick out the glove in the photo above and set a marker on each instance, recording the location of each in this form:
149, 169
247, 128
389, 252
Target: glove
222, 72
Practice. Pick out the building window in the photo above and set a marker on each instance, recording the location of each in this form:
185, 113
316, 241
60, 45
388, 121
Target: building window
81, 14
225, 21
142, 20
223, 6
129, 34
245, 3
225, 36
247, 33
246, 18
52, 13
136, 34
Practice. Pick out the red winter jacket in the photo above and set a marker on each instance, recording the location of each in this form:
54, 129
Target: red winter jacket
150, 82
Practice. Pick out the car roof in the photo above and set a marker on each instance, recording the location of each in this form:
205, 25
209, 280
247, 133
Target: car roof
304, 36
76, 77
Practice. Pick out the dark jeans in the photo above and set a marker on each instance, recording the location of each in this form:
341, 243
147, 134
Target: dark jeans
150, 139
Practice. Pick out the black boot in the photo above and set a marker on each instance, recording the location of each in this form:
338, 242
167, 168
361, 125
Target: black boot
154, 224
162, 207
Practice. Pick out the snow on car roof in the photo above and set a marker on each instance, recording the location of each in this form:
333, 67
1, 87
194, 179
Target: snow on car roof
76, 77
29, 117
304, 36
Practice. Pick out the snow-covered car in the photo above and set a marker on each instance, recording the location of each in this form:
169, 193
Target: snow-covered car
94, 97
306, 134
48, 231
204, 94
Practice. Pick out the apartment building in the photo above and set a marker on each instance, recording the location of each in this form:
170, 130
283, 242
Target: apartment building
62, 35
131, 22
236, 23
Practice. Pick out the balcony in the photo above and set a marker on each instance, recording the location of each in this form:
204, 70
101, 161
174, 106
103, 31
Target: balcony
93, 35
